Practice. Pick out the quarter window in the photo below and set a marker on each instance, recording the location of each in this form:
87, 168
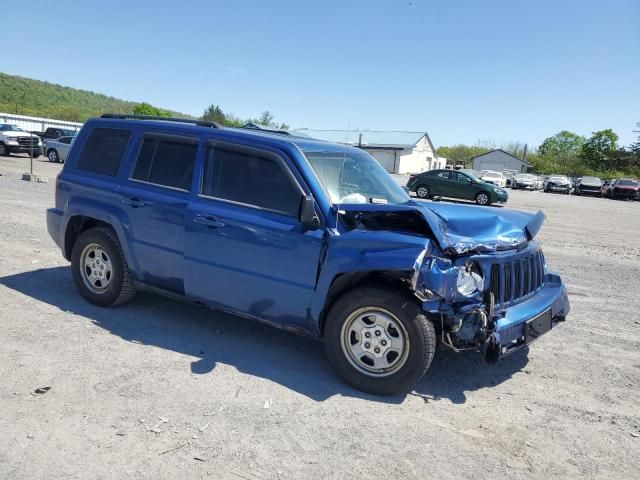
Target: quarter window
102, 153
166, 162
251, 179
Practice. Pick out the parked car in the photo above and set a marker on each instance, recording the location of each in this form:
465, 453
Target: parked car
589, 186
558, 183
58, 149
524, 181
455, 184
280, 229
16, 140
495, 178
52, 133
623, 189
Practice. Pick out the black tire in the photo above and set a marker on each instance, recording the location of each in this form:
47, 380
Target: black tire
419, 332
36, 155
480, 198
423, 191
121, 288
4, 151
53, 156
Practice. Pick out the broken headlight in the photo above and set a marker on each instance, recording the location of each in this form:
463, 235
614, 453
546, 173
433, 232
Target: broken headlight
469, 279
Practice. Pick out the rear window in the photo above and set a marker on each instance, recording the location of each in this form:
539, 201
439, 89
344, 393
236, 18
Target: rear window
168, 163
102, 153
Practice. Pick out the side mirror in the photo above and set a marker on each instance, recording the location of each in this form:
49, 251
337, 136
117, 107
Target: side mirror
307, 215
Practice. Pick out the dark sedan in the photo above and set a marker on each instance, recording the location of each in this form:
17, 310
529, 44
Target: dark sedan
589, 186
456, 184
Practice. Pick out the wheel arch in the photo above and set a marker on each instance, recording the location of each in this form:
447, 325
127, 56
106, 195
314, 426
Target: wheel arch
343, 283
81, 222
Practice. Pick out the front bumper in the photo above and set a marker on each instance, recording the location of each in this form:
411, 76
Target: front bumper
37, 150
510, 324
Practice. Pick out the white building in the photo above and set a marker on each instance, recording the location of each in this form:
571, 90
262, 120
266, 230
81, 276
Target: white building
397, 152
37, 124
499, 160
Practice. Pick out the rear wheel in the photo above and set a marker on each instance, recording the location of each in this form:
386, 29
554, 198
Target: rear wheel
379, 340
53, 156
100, 270
483, 198
423, 191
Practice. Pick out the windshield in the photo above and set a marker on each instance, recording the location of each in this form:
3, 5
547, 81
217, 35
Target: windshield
354, 176
10, 128
628, 183
524, 176
590, 180
558, 179
492, 175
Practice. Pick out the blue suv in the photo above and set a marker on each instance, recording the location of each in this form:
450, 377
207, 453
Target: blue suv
306, 235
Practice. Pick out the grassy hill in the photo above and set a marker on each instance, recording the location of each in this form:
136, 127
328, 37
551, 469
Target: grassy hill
26, 96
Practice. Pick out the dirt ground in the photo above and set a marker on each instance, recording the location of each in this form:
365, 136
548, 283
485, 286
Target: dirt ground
160, 389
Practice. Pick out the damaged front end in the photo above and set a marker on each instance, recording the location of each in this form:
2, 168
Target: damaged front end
487, 285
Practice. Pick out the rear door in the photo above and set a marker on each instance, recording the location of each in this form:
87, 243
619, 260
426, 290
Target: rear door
439, 182
155, 197
246, 250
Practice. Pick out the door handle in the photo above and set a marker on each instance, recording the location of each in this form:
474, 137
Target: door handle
208, 220
134, 202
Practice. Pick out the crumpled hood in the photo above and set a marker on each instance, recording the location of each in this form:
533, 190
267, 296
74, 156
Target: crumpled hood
458, 229
469, 228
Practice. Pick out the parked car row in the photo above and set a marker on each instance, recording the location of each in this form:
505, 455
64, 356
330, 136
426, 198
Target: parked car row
53, 142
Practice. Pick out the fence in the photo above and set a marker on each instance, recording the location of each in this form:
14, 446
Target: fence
36, 124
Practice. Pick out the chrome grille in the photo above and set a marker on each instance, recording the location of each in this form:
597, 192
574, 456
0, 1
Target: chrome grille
517, 279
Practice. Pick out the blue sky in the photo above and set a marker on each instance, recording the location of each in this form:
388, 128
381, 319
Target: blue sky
461, 70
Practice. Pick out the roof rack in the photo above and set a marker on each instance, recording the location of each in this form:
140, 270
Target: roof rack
124, 116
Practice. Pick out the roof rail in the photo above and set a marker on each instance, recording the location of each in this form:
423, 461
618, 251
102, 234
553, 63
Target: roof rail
123, 116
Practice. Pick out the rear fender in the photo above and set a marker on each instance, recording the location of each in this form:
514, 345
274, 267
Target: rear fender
107, 213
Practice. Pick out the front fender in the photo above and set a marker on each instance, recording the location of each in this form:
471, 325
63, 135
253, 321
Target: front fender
360, 251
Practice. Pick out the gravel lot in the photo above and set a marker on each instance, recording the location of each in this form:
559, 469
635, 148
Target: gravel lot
160, 389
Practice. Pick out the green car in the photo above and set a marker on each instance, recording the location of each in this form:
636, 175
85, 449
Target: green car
456, 184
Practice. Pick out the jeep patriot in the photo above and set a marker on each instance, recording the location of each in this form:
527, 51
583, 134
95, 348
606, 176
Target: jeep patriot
306, 235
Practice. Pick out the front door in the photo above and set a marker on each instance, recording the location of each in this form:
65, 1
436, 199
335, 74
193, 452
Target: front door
245, 249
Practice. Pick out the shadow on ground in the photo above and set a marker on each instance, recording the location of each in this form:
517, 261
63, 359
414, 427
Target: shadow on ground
213, 337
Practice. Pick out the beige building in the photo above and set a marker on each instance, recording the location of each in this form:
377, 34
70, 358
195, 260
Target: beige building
397, 152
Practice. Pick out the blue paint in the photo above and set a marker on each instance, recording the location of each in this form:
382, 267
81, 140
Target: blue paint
266, 266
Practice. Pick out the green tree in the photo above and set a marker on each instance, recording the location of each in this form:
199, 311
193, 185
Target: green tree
635, 147
214, 113
562, 147
266, 118
145, 108
598, 149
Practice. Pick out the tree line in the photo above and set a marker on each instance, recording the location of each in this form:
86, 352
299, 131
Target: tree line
565, 153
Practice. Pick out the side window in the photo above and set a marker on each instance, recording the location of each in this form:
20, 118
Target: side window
251, 179
444, 175
102, 153
461, 178
166, 162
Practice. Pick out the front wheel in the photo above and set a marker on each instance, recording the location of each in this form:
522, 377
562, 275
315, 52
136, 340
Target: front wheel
53, 156
379, 340
483, 198
4, 151
423, 191
100, 270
